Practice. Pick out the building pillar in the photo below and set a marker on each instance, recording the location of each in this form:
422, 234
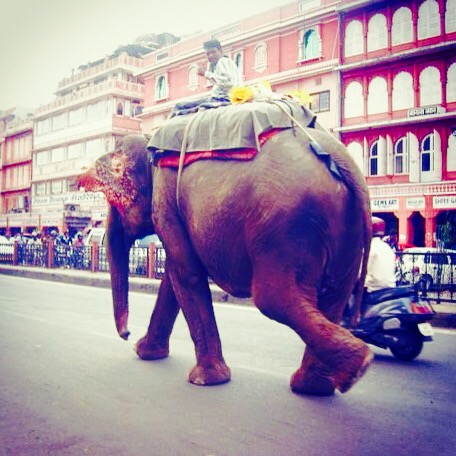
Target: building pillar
429, 214
429, 237
402, 230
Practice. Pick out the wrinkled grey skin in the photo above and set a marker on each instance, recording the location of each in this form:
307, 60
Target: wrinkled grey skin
280, 228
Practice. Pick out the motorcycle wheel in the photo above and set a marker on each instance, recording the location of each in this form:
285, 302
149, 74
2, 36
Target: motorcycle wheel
409, 347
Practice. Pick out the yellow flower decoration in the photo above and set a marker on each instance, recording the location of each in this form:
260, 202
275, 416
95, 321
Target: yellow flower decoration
301, 96
241, 94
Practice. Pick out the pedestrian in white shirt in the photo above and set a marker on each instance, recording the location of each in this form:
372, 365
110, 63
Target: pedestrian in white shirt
381, 267
223, 73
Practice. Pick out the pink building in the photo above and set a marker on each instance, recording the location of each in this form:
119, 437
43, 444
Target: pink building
398, 111
295, 46
16, 172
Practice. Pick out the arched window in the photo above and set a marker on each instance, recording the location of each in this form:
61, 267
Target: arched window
239, 61
377, 33
377, 98
373, 159
427, 153
353, 101
310, 45
193, 78
450, 16
428, 19
402, 28
451, 83
403, 95
401, 154
451, 153
161, 87
430, 87
355, 150
354, 39
261, 57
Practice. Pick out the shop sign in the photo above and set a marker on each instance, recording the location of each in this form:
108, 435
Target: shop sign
415, 203
68, 198
444, 202
51, 220
99, 215
384, 204
426, 111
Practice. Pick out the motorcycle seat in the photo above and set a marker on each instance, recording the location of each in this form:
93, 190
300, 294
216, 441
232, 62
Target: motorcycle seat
386, 294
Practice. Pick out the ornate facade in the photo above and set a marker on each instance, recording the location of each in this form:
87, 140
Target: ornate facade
398, 111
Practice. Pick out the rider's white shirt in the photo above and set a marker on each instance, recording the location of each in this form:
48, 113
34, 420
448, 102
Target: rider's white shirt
381, 268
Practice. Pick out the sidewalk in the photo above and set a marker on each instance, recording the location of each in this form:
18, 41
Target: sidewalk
445, 313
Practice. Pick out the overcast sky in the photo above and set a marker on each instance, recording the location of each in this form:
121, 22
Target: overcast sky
41, 41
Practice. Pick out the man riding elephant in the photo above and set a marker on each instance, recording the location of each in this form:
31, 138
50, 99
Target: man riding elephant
282, 228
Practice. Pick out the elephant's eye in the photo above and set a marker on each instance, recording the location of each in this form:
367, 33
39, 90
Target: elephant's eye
117, 167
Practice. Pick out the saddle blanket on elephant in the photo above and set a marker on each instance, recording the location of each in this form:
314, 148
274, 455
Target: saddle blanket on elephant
234, 132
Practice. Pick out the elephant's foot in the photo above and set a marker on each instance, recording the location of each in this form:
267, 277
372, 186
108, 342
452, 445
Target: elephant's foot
354, 369
317, 378
312, 383
210, 373
148, 351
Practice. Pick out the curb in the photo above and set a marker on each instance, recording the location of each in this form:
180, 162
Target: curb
442, 319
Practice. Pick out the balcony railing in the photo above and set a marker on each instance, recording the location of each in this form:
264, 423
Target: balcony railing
113, 85
108, 64
412, 189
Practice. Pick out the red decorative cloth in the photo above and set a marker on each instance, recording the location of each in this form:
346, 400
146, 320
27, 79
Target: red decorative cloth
171, 159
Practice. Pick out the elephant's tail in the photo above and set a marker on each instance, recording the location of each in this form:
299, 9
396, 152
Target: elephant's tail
353, 178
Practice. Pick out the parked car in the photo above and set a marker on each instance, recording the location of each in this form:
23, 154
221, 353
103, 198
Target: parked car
147, 240
429, 267
97, 235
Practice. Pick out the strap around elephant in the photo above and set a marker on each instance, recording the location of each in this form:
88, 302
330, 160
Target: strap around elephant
183, 151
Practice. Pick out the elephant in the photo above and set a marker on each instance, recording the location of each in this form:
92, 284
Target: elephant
281, 229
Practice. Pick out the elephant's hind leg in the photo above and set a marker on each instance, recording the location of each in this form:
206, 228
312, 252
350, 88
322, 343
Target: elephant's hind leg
334, 358
155, 344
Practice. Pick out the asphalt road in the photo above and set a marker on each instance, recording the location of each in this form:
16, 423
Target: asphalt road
70, 385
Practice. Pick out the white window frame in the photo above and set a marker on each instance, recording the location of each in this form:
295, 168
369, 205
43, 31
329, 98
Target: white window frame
353, 39
428, 19
377, 33
261, 57
430, 86
303, 54
402, 155
434, 151
161, 91
354, 100
451, 83
374, 158
193, 78
451, 153
402, 26
450, 16
355, 150
377, 96
403, 95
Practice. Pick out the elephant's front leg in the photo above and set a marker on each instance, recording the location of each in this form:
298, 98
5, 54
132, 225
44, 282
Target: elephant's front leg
155, 344
193, 294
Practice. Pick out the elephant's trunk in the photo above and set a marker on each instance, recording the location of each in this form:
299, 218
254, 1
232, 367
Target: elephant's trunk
121, 317
120, 301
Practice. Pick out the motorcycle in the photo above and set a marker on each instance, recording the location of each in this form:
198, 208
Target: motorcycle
395, 319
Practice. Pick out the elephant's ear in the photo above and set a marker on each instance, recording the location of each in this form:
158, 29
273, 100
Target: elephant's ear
113, 174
